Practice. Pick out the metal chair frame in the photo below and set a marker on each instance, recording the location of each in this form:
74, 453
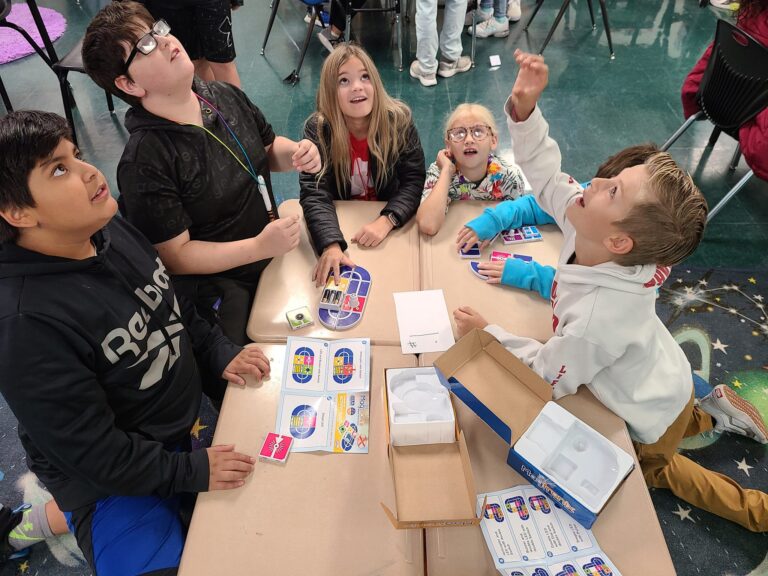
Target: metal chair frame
561, 13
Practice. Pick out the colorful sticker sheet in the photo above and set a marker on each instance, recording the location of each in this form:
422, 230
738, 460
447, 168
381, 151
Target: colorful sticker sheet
528, 535
325, 395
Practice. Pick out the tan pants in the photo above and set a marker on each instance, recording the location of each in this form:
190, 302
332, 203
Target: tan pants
663, 467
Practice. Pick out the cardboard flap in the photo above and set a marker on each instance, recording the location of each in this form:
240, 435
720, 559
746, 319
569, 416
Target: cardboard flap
493, 383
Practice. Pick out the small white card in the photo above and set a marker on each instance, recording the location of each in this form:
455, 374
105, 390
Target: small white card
495, 60
423, 321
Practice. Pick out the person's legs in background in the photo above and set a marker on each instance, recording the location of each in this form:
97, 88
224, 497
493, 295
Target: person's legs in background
424, 67
451, 60
495, 21
334, 34
213, 22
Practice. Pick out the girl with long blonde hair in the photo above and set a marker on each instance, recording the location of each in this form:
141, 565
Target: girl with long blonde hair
370, 151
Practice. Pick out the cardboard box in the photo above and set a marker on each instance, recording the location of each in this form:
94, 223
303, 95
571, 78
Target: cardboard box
434, 485
420, 409
509, 397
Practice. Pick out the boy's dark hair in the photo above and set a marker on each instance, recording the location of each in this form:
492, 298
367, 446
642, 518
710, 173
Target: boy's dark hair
116, 26
632, 156
27, 137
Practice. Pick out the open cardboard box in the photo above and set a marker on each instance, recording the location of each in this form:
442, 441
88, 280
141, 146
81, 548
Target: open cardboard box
509, 397
434, 485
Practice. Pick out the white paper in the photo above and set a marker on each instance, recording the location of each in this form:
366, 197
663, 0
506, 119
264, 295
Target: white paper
423, 321
495, 60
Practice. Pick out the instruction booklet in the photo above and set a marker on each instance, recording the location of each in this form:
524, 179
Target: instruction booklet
325, 395
528, 535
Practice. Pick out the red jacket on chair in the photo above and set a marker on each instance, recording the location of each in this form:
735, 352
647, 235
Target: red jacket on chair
753, 136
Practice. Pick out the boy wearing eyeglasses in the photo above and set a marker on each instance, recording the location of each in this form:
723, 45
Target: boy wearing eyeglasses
195, 174
467, 168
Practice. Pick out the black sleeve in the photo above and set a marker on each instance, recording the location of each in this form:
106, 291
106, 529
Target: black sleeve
49, 382
317, 200
213, 350
151, 201
411, 174
266, 132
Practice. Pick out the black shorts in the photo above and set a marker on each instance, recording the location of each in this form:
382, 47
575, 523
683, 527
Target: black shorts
204, 27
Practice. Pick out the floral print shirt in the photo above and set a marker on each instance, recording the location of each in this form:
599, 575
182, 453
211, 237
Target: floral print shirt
503, 181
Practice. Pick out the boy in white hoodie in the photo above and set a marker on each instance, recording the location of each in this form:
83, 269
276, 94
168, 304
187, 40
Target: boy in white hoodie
620, 237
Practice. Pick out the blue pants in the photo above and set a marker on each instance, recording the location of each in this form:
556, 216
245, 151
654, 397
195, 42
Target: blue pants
130, 535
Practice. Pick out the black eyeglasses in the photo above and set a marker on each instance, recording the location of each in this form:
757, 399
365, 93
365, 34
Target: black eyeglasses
147, 43
479, 132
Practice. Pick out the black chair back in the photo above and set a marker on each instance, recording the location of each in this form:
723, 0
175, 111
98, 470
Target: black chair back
734, 88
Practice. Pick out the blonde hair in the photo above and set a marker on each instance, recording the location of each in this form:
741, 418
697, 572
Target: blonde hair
477, 110
667, 226
387, 128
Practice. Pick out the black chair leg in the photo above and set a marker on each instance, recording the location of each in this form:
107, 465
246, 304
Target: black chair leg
66, 96
604, 10
591, 13
293, 77
29, 40
6, 99
560, 14
533, 14
713, 137
110, 103
272, 15
735, 159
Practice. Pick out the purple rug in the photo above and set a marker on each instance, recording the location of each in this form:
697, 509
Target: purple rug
14, 46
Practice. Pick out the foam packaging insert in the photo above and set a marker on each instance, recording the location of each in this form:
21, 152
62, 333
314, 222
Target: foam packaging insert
420, 409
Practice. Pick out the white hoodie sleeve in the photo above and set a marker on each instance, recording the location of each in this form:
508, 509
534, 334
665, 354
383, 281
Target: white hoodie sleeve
566, 361
539, 157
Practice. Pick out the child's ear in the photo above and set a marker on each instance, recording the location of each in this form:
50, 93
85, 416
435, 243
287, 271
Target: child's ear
619, 243
19, 217
494, 141
129, 86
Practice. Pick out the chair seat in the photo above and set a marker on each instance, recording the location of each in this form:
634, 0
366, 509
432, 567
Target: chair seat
73, 60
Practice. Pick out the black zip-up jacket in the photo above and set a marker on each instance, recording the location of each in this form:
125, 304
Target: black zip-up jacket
98, 363
401, 190
175, 177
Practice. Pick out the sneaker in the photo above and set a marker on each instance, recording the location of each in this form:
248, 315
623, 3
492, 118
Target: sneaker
481, 16
447, 69
323, 21
513, 10
491, 27
328, 40
9, 519
734, 414
425, 78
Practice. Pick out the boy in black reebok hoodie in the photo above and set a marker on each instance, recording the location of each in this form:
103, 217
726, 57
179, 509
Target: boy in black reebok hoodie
99, 361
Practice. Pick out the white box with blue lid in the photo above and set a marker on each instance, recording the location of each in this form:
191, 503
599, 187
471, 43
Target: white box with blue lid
552, 449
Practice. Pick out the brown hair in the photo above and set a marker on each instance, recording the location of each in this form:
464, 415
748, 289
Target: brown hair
117, 25
387, 129
667, 224
632, 156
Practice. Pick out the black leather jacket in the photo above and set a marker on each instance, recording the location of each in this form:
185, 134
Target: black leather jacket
401, 190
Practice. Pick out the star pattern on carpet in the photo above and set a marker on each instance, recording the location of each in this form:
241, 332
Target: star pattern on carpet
717, 345
196, 429
683, 513
743, 466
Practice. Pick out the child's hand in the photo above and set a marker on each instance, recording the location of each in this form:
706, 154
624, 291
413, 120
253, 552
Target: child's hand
493, 270
227, 469
250, 361
467, 319
306, 158
332, 258
445, 162
529, 84
373, 233
467, 238
280, 236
